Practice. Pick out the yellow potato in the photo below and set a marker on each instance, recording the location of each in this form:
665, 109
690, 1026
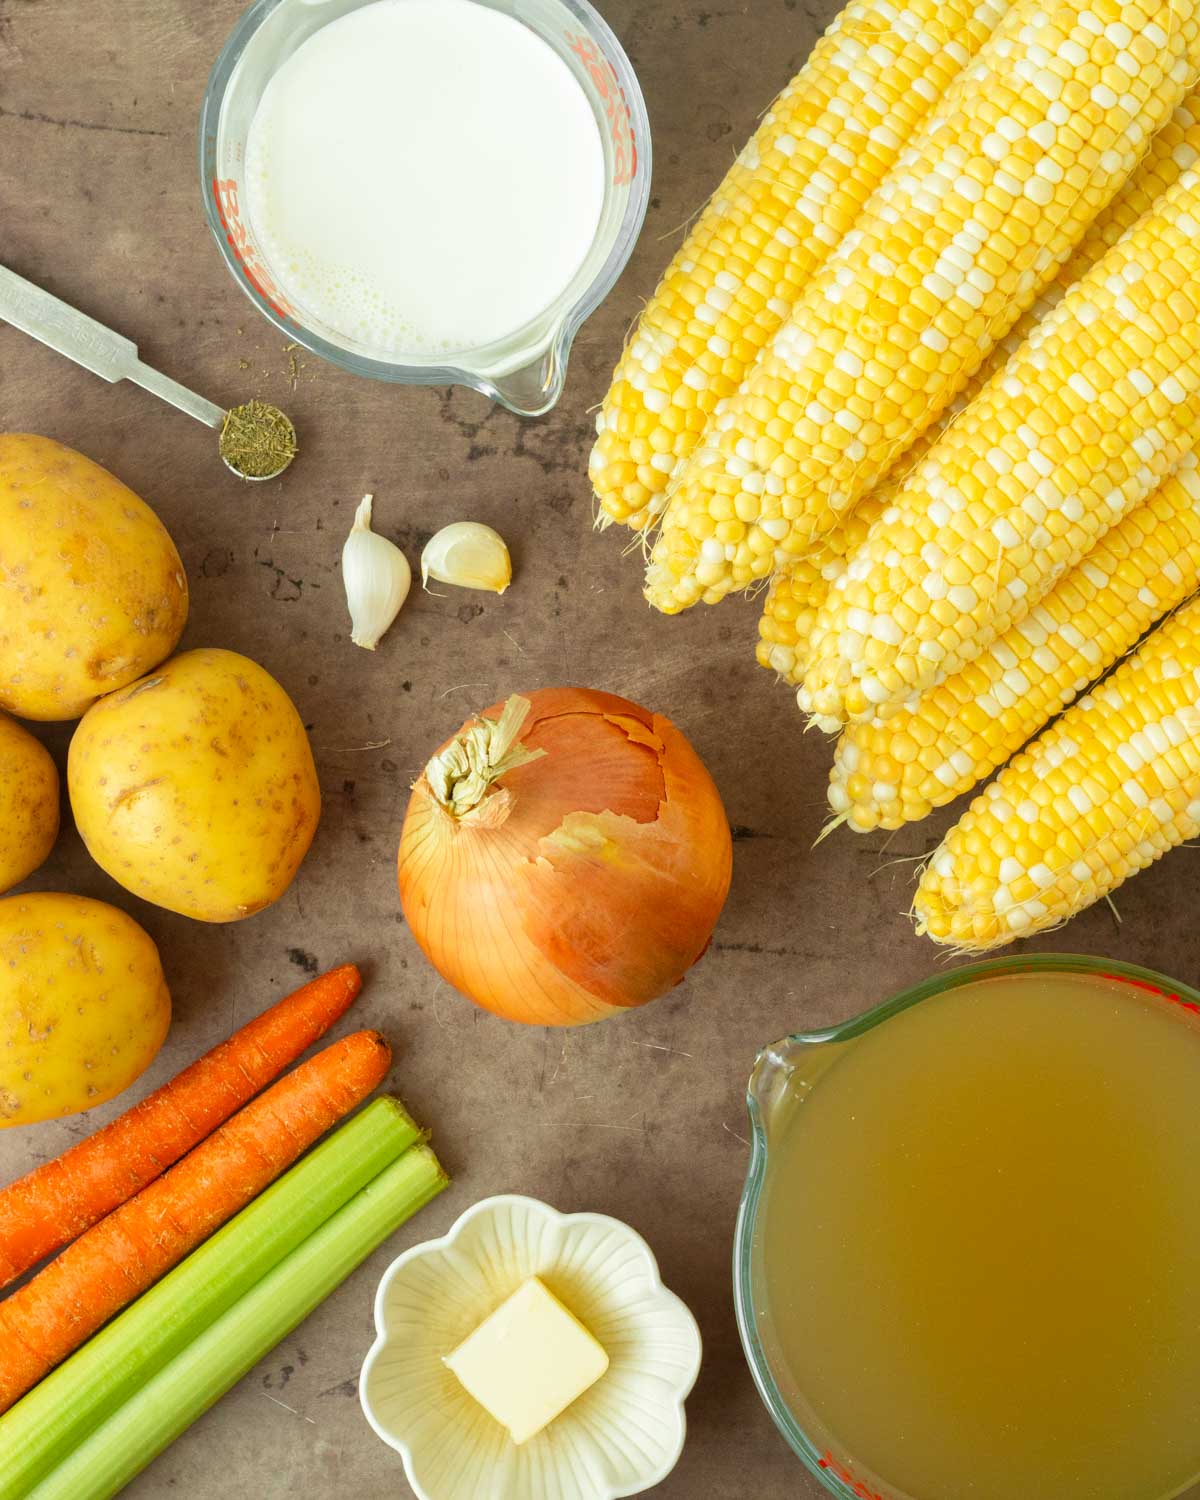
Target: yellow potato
83, 1005
195, 787
28, 803
92, 591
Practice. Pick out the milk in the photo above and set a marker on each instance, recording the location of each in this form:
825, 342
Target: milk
424, 177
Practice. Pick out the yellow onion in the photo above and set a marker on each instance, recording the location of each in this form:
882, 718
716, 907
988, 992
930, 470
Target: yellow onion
564, 856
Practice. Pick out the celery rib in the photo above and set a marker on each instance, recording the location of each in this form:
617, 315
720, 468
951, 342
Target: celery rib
228, 1348
42, 1429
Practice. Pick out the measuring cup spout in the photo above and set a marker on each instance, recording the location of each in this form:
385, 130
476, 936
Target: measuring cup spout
533, 389
769, 1079
787, 1070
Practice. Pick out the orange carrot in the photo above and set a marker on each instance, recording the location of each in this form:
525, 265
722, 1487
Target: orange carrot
56, 1202
117, 1259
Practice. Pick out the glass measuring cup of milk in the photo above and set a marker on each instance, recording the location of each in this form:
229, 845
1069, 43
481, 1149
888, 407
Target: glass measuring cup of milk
1051, 1079
524, 368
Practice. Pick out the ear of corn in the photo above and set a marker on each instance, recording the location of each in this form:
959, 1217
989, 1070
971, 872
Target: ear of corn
794, 600
888, 774
1031, 142
1094, 410
1173, 151
822, 148
1104, 792
796, 594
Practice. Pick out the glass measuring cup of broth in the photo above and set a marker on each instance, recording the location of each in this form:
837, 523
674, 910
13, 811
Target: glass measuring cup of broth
967, 1259
427, 192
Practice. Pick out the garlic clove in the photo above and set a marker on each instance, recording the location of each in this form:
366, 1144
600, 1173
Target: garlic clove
376, 576
469, 555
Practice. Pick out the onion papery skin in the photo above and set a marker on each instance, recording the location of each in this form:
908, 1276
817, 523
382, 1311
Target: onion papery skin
588, 882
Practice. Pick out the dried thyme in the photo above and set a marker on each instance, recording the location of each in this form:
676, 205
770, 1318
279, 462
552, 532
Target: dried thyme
257, 440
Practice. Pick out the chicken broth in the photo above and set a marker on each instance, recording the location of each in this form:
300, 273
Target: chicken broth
978, 1251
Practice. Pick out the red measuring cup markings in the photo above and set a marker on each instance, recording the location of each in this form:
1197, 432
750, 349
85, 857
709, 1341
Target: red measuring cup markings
1153, 989
616, 106
846, 1475
237, 236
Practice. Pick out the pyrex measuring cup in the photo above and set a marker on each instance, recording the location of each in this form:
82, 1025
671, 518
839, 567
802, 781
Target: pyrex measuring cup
782, 1075
523, 371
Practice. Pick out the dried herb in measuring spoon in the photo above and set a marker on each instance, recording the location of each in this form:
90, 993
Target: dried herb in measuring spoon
258, 441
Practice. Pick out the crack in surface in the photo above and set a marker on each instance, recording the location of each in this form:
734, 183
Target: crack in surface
34, 117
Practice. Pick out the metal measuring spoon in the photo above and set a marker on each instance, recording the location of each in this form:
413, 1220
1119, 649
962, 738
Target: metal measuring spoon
102, 351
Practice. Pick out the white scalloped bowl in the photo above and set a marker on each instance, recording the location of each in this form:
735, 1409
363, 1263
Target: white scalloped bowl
619, 1438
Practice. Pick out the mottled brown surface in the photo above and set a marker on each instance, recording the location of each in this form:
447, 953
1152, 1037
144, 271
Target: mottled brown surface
641, 1117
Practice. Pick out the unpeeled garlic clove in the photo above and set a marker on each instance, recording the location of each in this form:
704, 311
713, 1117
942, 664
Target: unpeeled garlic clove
376, 576
469, 555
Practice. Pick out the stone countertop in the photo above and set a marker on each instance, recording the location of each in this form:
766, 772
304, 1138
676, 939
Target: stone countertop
641, 1117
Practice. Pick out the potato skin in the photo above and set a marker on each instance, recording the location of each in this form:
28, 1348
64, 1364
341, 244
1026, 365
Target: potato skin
84, 1005
28, 803
195, 788
92, 591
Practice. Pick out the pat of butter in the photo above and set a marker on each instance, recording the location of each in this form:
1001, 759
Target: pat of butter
528, 1361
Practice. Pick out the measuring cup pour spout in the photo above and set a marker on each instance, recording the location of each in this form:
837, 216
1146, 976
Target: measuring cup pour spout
785, 1072
533, 389
769, 1081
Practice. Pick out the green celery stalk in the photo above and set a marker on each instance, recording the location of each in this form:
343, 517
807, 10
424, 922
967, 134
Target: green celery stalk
58, 1414
227, 1349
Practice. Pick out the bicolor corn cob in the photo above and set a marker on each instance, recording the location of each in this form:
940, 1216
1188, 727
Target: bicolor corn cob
1095, 409
1109, 787
1030, 144
821, 150
886, 775
796, 594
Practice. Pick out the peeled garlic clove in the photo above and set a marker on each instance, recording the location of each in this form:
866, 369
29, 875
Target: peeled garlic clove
469, 555
376, 576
